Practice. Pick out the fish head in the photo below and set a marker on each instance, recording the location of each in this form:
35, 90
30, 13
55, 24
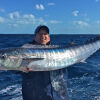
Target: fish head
3, 61
2, 58
9, 62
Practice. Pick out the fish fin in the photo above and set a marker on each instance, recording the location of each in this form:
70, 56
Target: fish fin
83, 61
32, 59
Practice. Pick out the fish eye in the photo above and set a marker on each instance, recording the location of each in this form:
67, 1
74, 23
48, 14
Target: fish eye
3, 57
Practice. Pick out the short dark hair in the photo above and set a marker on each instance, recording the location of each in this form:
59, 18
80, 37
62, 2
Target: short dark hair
43, 27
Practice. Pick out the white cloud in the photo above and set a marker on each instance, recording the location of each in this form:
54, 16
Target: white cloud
28, 16
15, 19
98, 22
97, 0
2, 19
55, 22
87, 19
39, 7
81, 23
51, 4
41, 21
84, 15
14, 15
2, 10
13, 25
75, 13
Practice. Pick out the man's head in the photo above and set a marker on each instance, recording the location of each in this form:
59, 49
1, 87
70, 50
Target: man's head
42, 35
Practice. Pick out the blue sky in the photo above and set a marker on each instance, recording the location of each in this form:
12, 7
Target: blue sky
61, 16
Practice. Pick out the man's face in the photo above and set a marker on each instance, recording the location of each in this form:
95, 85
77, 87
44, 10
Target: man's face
42, 37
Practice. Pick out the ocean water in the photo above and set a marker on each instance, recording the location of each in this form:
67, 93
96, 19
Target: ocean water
83, 78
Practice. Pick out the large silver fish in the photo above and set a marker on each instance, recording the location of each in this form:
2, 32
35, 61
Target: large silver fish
46, 58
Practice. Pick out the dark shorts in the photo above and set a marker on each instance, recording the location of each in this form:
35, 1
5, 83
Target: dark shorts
43, 85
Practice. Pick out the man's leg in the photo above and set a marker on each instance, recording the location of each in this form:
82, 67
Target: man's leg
59, 84
34, 86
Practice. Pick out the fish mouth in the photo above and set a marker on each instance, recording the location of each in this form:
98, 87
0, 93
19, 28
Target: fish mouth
2, 68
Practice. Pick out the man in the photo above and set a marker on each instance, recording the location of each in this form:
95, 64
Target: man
41, 85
